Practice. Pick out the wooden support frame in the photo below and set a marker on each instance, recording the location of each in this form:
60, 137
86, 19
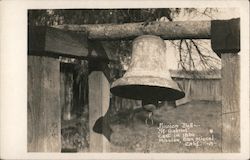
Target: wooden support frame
182, 30
225, 42
44, 116
45, 45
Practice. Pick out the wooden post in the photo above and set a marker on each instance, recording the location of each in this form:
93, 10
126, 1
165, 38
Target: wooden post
98, 106
66, 89
230, 102
44, 120
225, 42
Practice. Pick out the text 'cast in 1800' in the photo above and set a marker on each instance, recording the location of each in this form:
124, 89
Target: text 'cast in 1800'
185, 133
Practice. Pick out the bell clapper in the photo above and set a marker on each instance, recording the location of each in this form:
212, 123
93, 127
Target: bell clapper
149, 106
150, 117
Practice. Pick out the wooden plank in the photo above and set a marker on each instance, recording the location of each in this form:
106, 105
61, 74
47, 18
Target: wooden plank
55, 42
225, 36
231, 132
230, 102
166, 30
69, 43
98, 106
66, 90
44, 117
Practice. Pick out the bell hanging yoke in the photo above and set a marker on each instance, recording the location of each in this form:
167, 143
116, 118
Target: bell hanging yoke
148, 77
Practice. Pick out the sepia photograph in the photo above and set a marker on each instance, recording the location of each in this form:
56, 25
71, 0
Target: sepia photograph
134, 80
124, 80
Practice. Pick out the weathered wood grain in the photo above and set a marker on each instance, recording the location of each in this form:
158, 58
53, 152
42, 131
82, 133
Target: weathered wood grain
66, 90
230, 102
52, 42
167, 30
44, 120
98, 106
55, 42
231, 132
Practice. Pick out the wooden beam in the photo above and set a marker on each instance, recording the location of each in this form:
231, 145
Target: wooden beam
52, 42
98, 106
225, 36
167, 30
44, 111
55, 42
230, 102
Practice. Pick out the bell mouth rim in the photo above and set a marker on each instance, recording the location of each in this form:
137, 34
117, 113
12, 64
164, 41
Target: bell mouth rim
157, 88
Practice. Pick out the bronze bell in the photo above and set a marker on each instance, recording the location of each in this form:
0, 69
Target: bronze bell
147, 77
